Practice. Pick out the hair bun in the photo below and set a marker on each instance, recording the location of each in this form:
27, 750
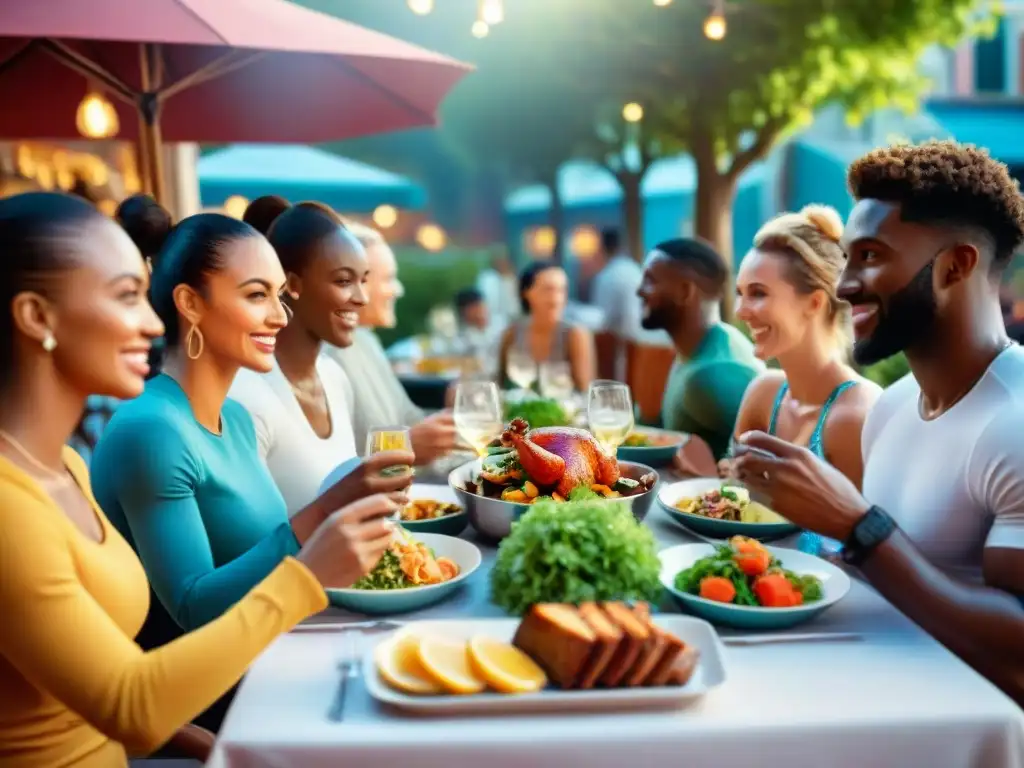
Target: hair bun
826, 220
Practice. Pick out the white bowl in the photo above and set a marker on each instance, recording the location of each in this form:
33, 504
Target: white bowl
835, 585
379, 602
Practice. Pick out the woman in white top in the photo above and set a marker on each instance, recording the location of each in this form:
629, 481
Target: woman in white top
303, 407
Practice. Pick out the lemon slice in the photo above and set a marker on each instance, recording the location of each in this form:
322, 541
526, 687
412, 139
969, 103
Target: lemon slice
447, 661
399, 665
505, 668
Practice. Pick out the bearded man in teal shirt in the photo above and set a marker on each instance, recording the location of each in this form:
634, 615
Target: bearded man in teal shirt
683, 284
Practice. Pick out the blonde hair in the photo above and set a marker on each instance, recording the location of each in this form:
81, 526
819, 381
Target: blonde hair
366, 235
809, 240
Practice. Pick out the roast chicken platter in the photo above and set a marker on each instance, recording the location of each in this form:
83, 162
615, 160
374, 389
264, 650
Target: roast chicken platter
560, 464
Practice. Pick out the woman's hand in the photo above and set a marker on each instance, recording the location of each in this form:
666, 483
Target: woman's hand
366, 480
349, 543
192, 741
695, 459
434, 437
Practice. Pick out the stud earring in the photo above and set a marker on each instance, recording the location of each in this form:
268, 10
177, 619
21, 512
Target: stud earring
49, 343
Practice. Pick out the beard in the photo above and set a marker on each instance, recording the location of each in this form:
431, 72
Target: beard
657, 319
908, 317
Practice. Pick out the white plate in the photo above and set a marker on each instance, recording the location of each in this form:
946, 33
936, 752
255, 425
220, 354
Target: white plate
710, 673
383, 602
835, 585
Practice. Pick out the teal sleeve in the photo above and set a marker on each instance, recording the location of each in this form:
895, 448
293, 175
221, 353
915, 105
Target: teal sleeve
712, 400
154, 481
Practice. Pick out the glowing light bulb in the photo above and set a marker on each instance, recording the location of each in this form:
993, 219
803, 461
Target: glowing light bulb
492, 12
235, 206
714, 26
421, 7
96, 117
385, 216
431, 237
632, 112
480, 28
662, 3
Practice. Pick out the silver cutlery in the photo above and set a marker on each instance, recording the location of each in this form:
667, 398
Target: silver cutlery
805, 637
349, 668
341, 626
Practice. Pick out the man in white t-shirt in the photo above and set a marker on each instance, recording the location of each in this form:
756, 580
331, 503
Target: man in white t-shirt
939, 530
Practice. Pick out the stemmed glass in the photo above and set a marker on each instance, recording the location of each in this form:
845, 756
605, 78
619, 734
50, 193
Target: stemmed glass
556, 380
610, 413
521, 368
478, 413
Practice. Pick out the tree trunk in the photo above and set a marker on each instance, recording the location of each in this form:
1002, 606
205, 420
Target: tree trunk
633, 213
713, 217
556, 220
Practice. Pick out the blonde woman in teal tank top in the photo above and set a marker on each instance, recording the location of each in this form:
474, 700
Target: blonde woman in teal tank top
786, 290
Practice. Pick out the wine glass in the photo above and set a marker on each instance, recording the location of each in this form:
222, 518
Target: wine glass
380, 439
610, 413
556, 380
522, 368
478, 413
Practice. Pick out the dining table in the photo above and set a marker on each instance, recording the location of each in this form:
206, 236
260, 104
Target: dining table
859, 686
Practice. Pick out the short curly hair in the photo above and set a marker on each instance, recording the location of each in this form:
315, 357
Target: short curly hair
943, 182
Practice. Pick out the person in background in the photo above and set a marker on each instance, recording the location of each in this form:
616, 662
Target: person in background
75, 688
476, 330
939, 528
613, 289
542, 335
499, 285
379, 398
786, 290
302, 407
262, 212
147, 223
178, 468
681, 291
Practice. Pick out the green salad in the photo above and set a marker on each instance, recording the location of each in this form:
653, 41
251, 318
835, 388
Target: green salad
575, 552
541, 412
387, 574
743, 572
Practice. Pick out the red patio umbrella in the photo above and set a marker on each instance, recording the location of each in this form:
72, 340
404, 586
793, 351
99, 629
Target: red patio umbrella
210, 70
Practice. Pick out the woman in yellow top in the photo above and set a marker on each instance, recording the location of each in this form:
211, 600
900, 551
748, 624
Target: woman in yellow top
75, 689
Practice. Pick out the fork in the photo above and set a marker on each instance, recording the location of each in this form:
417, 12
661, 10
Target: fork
349, 668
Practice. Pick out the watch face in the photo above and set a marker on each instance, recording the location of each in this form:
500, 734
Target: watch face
874, 527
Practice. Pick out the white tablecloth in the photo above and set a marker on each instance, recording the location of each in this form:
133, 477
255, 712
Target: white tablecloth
895, 699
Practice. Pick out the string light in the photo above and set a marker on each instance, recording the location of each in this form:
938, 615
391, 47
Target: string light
492, 12
632, 112
235, 206
385, 216
662, 3
96, 117
714, 24
421, 7
480, 28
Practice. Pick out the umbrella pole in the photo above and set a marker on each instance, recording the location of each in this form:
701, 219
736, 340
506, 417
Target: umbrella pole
150, 140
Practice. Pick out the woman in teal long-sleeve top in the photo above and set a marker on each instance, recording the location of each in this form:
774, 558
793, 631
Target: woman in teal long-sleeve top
178, 469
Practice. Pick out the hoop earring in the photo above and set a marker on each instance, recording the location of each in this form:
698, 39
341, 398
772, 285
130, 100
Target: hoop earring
49, 343
194, 333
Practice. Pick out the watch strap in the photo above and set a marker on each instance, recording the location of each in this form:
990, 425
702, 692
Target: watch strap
873, 528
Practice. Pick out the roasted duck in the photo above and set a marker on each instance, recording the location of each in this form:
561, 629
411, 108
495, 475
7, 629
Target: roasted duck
560, 456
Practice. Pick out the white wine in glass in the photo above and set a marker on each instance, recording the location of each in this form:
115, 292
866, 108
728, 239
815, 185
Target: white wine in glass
610, 414
521, 367
380, 439
478, 413
556, 380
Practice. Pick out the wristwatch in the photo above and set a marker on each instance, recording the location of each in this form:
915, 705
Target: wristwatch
871, 530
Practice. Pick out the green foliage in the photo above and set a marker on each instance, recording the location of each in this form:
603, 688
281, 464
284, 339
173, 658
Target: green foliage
888, 371
575, 552
431, 280
539, 412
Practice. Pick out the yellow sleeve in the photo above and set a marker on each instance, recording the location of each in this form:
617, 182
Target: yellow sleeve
60, 639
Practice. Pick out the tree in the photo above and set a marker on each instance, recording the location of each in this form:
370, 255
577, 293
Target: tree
729, 102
